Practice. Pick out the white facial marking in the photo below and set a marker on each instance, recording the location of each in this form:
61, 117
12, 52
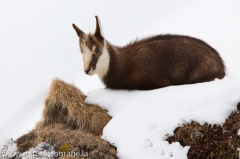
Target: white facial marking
93, 49
103, 63
87, 56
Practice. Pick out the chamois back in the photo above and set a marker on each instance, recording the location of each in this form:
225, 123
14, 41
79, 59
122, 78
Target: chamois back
161, 61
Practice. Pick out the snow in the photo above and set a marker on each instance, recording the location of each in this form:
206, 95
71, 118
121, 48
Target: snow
141, 119
38, 44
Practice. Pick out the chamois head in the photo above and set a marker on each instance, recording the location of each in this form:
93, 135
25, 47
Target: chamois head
94, 50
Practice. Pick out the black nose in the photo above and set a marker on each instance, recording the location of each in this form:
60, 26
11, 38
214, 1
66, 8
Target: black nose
86, 71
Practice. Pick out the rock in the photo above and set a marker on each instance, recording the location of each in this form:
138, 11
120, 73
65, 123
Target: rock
195, 135
9, 150
41, 151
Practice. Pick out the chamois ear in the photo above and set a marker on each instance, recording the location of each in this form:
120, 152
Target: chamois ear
79, 32
98, 32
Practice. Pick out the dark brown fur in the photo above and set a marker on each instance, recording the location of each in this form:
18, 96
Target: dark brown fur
162, 61
156, 62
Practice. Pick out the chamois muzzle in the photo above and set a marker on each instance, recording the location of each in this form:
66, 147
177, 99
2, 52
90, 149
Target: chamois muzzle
87, 71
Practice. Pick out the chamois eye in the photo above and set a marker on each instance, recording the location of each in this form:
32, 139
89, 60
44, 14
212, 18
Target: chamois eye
98, 50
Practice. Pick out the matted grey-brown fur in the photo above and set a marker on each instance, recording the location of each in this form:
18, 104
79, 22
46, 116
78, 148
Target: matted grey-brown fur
150, 63
67, 119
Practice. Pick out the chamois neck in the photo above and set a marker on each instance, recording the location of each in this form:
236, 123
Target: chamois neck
102, 65
114, 54
119, 65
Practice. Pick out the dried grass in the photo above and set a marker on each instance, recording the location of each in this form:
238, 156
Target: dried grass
68, 120
65, 104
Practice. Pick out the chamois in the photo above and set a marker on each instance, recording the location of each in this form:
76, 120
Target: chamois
150, 63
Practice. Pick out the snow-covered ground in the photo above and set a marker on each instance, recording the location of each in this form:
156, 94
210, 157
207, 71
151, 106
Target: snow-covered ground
141, 119
37, 44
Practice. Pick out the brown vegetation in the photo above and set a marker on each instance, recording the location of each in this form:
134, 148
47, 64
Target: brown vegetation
210, 141
70, 124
